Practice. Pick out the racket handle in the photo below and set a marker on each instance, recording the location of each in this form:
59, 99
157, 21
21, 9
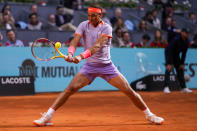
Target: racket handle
66, 57
62, 56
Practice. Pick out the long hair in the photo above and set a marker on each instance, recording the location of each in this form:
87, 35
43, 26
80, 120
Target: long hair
4, 7
156, 39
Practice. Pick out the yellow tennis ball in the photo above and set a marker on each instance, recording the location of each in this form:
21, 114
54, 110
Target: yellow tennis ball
58, 45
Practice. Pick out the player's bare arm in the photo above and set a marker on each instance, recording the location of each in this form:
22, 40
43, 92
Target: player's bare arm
73, 46
102, 40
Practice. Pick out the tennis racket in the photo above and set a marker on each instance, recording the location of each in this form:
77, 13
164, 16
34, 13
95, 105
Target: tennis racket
45, 50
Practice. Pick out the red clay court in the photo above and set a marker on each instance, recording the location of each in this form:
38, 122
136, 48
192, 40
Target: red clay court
100, 111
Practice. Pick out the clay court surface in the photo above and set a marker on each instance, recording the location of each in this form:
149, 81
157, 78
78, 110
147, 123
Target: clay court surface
100, 111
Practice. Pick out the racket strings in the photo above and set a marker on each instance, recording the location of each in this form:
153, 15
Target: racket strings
44, 49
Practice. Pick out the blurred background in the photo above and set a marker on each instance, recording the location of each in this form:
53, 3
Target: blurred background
157, 20
141, 31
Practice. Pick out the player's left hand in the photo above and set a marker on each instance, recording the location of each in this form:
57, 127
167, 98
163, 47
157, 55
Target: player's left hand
77, 59
68, 58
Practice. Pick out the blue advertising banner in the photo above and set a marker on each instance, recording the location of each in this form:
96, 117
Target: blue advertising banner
55, 75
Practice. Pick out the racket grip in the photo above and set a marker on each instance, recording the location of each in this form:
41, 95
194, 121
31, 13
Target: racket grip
65, 57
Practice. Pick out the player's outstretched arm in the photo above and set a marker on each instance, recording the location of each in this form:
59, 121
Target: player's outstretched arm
72, 47
102, 40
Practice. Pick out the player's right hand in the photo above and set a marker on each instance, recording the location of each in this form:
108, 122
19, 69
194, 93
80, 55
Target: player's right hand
69, 58
77, 59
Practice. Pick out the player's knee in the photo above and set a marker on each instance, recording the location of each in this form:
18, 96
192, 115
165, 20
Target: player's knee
73, 88
70, 90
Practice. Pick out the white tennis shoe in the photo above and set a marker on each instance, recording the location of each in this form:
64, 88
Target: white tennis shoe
166, 90
186, 90
155, 119
45, 120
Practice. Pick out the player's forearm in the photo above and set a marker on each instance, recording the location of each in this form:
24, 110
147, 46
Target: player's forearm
102, 40
96, 47
90, 51
73, 43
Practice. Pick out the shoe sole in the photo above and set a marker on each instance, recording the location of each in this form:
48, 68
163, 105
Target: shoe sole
161, 123
46, 124
157, 123
185, 92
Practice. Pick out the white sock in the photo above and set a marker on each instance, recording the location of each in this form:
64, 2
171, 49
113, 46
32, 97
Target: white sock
147, 112
50, 112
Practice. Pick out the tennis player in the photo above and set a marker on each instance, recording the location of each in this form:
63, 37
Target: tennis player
97, 40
